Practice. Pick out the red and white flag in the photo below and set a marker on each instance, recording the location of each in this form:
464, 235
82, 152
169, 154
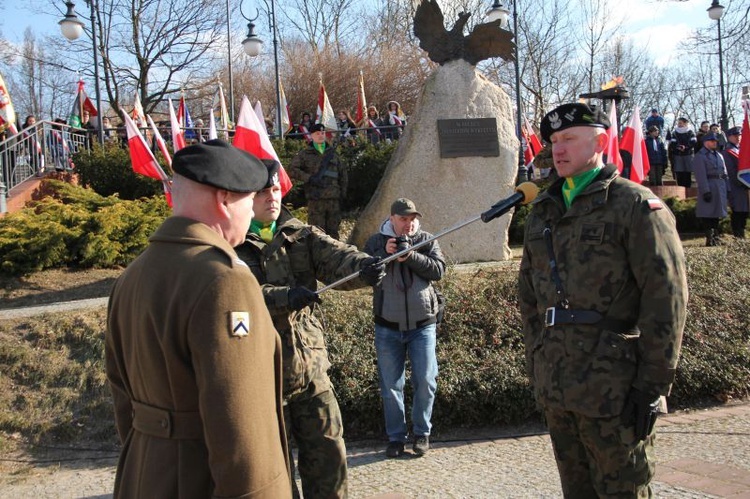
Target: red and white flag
178, 137
160, 141
612, 149
743, 163
137, 114
251, 136
142, 159
7, 113
258, 108
533, 145
361, 114
324, 113
635, 144
212, 126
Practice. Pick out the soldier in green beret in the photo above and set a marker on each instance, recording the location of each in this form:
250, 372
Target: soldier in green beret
192, 356
288, 257
603, 294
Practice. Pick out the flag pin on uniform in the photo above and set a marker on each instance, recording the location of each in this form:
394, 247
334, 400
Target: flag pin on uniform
240, 324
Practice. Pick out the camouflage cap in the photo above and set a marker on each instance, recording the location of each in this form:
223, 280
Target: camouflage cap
570, 115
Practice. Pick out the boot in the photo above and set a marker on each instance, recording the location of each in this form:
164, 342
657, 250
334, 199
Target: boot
710, 237
716, 241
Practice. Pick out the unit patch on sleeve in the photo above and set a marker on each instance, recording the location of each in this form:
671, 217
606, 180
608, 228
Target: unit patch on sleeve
239, 324
655, 203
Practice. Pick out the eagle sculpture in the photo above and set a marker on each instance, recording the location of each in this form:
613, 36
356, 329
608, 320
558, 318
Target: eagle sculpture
485, 41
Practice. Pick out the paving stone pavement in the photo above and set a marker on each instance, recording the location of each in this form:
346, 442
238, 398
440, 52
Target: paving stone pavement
700, 454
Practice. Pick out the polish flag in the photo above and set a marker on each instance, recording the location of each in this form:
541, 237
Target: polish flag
743, 164
160, 142
258, 108
612, 149
178, 138
251, 136
137, 114
142, 159
533, 145
324, 113
361, 114
635, 144
212, 126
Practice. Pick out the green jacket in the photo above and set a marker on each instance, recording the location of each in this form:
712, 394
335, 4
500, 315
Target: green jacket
306, 166
618, 253
300, 255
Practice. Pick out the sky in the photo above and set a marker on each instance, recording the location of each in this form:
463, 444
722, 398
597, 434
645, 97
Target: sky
659, 25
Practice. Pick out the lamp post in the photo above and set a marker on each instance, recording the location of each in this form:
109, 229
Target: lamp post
499, 12
72, 28
715, 12
231, 77
253, 47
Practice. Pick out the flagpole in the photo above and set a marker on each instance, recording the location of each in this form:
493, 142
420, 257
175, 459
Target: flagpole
231, 79
99, 128
276, 67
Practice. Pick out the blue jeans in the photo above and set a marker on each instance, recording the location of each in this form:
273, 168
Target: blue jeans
392, 346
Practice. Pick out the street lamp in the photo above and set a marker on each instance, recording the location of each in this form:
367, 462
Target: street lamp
499, 12
715, 12
253, 46
72, 28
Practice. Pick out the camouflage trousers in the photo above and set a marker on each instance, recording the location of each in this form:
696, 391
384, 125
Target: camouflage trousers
326, 214
599, 457
315, 425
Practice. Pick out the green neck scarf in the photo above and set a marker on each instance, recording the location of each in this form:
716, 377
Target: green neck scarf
265, 231
319, 147
573, 186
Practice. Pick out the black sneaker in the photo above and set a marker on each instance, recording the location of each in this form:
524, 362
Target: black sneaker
394, 449
421, 445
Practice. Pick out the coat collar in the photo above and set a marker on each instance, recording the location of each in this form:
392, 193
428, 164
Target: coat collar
188, 231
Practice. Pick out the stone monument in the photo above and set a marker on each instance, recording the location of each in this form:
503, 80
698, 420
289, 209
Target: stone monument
449, 190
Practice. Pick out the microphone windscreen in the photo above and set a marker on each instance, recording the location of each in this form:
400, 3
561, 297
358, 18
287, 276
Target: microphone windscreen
529, 191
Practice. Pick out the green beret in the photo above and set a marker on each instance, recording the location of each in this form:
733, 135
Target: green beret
221, 165
570, 115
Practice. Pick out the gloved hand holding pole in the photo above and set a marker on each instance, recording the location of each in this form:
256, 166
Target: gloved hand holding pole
525, 193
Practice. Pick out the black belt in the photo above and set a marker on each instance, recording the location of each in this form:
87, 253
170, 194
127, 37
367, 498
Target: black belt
556, 316
157, 422
717, 177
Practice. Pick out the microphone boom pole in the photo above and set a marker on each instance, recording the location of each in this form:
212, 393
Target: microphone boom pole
525, 193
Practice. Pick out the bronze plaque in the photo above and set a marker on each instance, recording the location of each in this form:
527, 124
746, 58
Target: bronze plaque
468, 137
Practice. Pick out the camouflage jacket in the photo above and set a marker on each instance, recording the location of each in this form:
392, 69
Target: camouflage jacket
618, 253
329, 184
300, 255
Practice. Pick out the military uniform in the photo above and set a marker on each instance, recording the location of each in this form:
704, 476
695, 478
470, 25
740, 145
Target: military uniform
324, 189
189, 349
621, 273
300, 255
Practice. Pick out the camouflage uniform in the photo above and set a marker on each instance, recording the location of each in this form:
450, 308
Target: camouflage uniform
323, 191
299, 255
618, 253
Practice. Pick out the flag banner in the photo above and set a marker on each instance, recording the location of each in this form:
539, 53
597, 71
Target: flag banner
178, 138
183, 118
251, 136
324, 113
634, 143
259, 114
82, 103
612, 149
532, 145
142, 159
7, 113
212, 126
361, 113
160, 142
286, 118
137, 114
743, 164
221, 104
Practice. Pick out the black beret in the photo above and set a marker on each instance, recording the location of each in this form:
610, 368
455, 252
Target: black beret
317, 127
273, 172
221, 165
735, 130
570, 115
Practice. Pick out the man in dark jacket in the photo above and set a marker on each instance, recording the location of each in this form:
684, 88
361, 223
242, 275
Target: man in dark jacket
713, 184
657, 156
603, 294
405, 309
192, 357
288, 257
739, 200
325, 181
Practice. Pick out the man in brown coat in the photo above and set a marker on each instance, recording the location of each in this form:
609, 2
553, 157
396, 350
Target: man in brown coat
192, 357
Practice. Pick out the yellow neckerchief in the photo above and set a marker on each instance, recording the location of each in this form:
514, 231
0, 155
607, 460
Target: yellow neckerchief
319, 147
573, 186
265, 231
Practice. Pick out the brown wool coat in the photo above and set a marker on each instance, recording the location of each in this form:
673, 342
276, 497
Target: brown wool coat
169, 344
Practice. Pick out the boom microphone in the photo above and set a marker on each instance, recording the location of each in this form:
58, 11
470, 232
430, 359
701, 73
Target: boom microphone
525, 193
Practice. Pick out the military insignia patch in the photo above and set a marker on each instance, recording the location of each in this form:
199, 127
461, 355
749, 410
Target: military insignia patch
592, 233
554, 121
655, 203
239, 324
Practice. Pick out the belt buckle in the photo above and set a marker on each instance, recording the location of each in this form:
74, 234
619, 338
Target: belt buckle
549, 317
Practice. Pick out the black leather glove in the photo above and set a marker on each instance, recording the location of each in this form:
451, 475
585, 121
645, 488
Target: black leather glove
707, 196
300, 297
641, 410
372, 271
